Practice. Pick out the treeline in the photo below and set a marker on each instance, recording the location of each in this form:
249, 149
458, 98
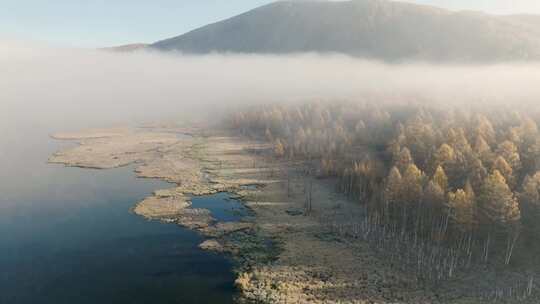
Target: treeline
445, 174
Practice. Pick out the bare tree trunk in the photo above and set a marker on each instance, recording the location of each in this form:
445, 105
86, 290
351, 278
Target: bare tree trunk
310, 195
288, 185
469, 249
486, 247
349, 191
444, 229
511, 243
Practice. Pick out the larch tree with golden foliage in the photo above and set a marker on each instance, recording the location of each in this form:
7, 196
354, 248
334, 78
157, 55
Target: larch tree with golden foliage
440, 178
412, 184
404, 160
477, 173
509, 151
499, 210
483, 150
506, 170
434, 199
462, 210
392, 190
497, 203
530, 203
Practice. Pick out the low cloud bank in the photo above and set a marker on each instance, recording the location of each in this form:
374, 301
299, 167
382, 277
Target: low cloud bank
44, 85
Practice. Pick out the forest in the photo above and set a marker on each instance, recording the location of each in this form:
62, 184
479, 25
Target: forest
446, 189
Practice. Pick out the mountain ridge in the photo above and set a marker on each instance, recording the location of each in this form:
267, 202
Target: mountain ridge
126, 48
375, 29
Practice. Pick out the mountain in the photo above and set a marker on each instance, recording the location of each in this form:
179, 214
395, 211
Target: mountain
379, 29
127, 48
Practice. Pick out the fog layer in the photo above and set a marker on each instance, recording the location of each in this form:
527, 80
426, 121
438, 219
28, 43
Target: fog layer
69, 88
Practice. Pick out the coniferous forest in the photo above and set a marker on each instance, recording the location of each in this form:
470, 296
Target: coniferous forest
445, 189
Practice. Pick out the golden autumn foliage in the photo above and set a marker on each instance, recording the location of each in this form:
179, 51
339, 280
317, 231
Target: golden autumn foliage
462, 210
497, 203
378, 153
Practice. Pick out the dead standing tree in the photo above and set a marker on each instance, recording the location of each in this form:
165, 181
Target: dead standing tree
308, 189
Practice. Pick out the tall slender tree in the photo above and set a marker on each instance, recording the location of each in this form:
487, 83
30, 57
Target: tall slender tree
404, 160
462, 210
440, 178
498, 205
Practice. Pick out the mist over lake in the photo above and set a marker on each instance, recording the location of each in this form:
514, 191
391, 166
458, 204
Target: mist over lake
363, 151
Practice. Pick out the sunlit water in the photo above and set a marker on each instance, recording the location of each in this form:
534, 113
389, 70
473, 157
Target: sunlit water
67, 236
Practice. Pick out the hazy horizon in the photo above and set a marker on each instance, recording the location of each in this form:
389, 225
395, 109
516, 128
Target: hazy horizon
71, 86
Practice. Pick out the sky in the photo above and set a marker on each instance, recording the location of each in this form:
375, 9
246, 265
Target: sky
100, 23
490, 6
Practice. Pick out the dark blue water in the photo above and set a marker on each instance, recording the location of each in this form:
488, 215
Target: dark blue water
223, 206
67, 236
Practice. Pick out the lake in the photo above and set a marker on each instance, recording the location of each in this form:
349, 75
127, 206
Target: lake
67, 236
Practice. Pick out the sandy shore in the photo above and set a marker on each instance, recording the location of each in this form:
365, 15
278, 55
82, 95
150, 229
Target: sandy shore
283, 254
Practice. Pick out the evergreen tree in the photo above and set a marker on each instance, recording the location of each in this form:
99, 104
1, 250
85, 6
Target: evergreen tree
404, 160
509, 151
531, 187
497, 204
483, 150
485, 129
434, 197
532, 156
513, 135
505, 169
412, 184
393, 186
460, 143
469, 191
462, 210
477, 173
530, 203
445, 156
440, 178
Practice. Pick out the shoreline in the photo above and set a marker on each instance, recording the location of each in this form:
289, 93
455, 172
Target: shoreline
282, 253
170, 205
